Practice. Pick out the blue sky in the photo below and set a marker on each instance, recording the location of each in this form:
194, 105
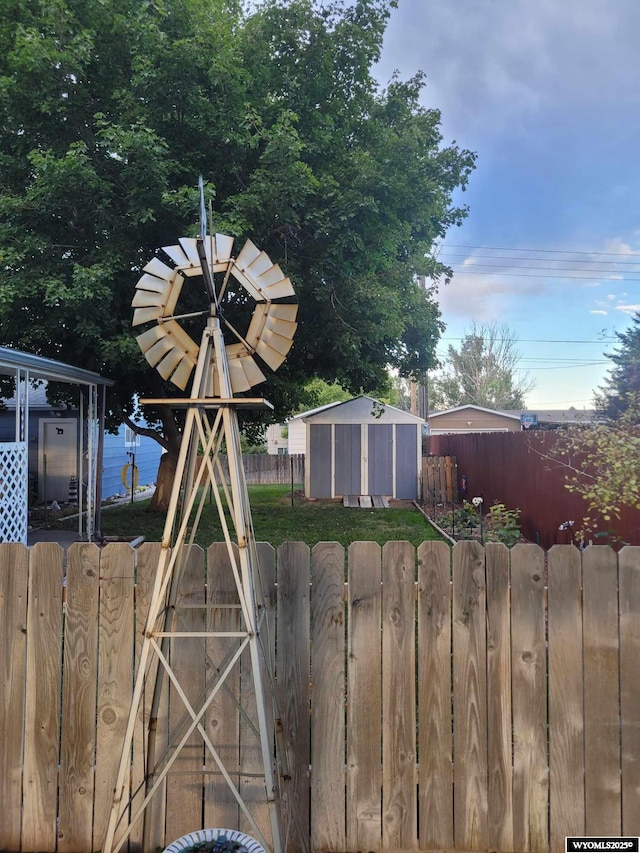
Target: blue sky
547, 93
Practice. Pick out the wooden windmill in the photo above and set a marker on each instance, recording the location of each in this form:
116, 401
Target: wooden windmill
221, 370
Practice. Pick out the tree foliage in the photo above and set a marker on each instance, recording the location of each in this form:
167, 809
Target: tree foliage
109, 112
482, 372
602, 462
623, 383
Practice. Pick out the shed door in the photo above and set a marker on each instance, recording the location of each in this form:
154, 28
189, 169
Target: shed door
348, 459
320, 461
57, 458
406, 462
380, 455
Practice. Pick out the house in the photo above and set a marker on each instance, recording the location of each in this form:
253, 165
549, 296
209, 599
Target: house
361, 447
470, 418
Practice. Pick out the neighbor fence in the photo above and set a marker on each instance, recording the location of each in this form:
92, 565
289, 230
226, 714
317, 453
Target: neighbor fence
271, 468
433, 698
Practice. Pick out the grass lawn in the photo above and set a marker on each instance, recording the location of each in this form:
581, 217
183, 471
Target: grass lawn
276, 521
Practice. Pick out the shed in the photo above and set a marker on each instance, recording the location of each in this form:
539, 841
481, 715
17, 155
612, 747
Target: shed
363, 447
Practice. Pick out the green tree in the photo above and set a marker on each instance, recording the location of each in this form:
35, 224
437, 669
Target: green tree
482, 372
623, 383
110, 111
602, 464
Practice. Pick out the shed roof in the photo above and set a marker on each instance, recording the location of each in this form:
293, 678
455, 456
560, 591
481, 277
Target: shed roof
361, 409
40, 367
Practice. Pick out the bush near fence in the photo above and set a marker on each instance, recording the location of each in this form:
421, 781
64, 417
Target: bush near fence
508, 721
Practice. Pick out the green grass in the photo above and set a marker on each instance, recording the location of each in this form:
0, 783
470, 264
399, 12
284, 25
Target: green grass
276, 521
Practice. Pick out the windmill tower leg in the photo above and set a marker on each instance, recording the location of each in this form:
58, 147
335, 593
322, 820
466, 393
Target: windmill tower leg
160, 630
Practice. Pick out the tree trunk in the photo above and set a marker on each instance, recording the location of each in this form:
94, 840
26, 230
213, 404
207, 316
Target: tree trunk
164, 482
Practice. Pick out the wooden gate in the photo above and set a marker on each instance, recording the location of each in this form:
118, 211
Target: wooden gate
439, 480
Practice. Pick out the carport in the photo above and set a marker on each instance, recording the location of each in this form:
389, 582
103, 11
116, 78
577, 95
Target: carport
14, 455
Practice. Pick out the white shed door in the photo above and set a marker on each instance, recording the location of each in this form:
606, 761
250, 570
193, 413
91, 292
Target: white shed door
57, 458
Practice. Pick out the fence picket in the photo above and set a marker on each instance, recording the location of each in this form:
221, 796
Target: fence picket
222, 721
328, 698
470, 697
499, 747
184, 780
293, 680
115, 657
603, 796
399, 806
154, 819
435, 776
79, 698
566, 709
529, 677
42, 708
13, 642
251, 763
364, 703
629, 568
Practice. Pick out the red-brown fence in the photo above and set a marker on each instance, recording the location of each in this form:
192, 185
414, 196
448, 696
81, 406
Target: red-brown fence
433, 698
516, 469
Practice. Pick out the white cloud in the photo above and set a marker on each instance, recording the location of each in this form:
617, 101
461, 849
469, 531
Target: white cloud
628, 309
598, 311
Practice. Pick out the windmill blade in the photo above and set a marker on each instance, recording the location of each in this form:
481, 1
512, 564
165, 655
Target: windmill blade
258, 266
160, 340
273, 349
224, 248
243, 371
159, 269
248, 254
284, 312
246, 282
181, 375
159, 292
177, 255
278, 290
265, 317
270, 276
146, 315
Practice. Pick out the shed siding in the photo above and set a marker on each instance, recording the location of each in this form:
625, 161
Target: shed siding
348, 459
380, 459
320, 461
406, 456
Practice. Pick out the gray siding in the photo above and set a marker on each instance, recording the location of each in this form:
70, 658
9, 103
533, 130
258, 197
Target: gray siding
348, 459
320, 460
380, 437
406, 455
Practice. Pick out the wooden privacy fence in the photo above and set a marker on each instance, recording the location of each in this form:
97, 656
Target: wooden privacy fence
439, 480
440, 698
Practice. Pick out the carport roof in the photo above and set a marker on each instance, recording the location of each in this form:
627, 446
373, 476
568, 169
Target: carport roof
47, 368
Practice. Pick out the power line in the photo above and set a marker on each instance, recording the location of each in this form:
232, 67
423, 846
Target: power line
467, 256
542, 340
548, 251
469, 271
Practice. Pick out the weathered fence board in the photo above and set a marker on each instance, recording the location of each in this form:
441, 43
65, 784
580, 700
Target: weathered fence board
529, 699
79, 699
399, 804
292, 664
566, 700
42, 698
364, 703
603, 802
499, 746
470, 698
328, 698
13, 642
435, 775
522, 781
629, 597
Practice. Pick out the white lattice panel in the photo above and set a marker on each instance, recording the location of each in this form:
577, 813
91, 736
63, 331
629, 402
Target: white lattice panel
13, 491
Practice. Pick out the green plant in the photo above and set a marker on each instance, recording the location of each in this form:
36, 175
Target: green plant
502, 525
